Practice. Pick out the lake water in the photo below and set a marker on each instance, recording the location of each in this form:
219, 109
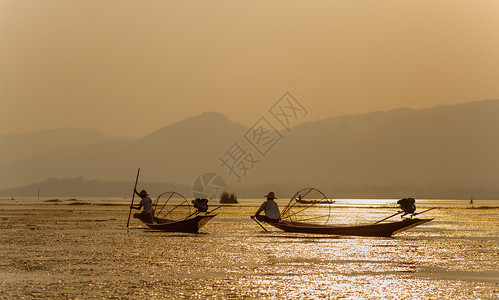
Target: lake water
80, 248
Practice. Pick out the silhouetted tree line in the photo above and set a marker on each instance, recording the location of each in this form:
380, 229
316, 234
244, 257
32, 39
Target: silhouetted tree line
80, 187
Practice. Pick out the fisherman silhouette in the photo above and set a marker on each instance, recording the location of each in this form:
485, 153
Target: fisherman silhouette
147, 213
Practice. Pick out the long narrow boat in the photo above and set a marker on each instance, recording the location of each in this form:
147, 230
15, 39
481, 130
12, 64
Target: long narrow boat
380, 230
309, 211
174, 213
190, 225
327, 201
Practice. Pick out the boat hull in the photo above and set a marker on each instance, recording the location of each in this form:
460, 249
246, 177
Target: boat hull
379, 230
191, 225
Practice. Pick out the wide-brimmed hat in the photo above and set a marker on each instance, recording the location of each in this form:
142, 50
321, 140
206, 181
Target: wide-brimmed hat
143, 193
270, 195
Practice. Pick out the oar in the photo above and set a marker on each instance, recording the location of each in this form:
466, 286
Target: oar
423, 211
389, 217
254, 219
133, 196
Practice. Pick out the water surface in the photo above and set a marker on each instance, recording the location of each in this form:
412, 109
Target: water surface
80, 248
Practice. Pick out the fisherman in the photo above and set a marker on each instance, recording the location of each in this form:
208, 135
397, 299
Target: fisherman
270, 208
146, 214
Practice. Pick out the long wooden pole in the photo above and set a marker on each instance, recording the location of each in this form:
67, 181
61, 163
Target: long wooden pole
209, 212
423, 211
389, 217
133, 196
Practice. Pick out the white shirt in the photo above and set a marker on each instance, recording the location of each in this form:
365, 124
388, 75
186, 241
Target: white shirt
271, 209
146, 202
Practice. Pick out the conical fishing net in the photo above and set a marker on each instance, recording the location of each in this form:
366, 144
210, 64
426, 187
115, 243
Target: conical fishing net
172, 206
308, 205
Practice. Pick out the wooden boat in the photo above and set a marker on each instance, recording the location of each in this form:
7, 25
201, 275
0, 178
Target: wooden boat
381, 229
190, 225
315, 201
303, 199
174, 213
309, 211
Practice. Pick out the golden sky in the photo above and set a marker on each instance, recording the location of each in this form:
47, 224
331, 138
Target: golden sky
131, 67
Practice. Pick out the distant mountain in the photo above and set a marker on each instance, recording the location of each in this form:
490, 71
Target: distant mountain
16, 147
184, 150
80, 187
177, 153
446, 147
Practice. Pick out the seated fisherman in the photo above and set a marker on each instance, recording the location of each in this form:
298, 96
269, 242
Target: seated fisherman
146, 214
270, 208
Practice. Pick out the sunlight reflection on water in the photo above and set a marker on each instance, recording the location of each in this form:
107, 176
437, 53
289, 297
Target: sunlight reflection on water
64, 251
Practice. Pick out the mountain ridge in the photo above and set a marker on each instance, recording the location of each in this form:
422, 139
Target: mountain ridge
17, 147
444, 145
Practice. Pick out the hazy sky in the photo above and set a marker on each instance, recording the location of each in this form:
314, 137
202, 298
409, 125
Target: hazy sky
131, 67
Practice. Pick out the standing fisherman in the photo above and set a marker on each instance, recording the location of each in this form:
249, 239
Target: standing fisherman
147, 213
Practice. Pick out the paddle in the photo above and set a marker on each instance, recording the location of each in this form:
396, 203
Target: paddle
254, 219
133, 196
389, 217
405, 214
